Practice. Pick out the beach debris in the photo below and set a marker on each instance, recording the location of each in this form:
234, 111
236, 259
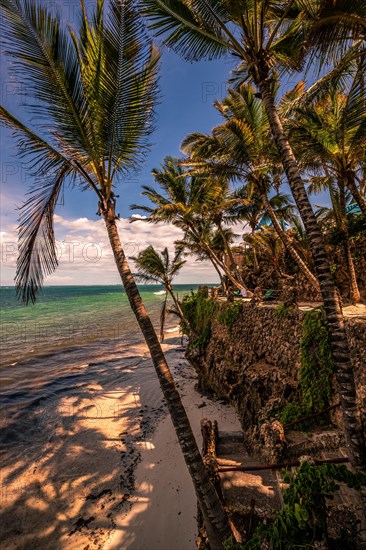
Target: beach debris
80, 524
99, 495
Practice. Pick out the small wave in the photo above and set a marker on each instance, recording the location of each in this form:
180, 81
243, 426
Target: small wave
159, 293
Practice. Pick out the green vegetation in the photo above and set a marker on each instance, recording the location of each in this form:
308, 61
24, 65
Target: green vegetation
94, 80
316, 130
315, 372
294, 411
302, 520
199, 311
316, 361
229, 315
282, 310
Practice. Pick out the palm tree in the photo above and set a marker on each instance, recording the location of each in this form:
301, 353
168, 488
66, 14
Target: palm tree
157, 268
214, 240
266, 37
254, 211
216, 208
242, 143
330, 135
270, 248
181, 203
338, 213
334, 127
96, 91
338, 29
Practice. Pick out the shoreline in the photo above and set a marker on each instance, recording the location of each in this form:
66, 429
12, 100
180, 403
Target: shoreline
164, 507
89, 478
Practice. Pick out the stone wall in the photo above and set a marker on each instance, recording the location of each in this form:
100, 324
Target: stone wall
255, 364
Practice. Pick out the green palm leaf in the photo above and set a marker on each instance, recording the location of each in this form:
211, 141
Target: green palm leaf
46, 59
187, 27
37, 254
95, 88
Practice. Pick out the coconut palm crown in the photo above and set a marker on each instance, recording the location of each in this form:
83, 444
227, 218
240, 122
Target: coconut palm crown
95, 89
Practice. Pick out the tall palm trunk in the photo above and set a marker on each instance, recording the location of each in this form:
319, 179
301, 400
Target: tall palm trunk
337, 333
222, 281
215, 518
230, 254
255, 257
162, 317
354, 292
288, 244
360, 200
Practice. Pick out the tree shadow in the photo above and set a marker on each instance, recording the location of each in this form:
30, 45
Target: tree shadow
70, 450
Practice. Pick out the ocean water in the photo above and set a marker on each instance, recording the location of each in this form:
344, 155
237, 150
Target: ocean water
71, 337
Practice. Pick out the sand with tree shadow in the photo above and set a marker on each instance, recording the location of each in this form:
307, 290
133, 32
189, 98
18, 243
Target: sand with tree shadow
108, 471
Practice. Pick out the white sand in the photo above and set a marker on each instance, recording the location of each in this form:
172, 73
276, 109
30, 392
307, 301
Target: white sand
163, 513
75, 489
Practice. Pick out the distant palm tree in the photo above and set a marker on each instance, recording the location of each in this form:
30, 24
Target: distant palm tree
330, 133
96, 90
267, 37
216, 208
338, 215
192, 244
242, 145
154, 267
214, 240
269, 247
182, 202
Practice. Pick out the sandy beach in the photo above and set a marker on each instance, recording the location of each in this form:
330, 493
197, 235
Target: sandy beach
111, 475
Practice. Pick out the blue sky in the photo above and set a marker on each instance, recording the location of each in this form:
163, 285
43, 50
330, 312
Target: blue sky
188, 91
187, 94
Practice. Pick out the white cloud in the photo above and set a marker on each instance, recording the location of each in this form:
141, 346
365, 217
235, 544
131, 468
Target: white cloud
85, 256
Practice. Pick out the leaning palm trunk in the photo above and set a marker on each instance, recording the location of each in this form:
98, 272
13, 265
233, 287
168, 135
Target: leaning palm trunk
215, 518
234, 264
255, 257
354, 293
221, 277
215, 260
186, 324
337, 333
289, 246
162, 317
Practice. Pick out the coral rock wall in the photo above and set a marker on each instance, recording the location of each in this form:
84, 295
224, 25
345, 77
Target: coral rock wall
255, 363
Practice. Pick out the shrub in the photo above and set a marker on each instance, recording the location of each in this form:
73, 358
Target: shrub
316, 361
229, 315
282, 310
199, 311
303, 518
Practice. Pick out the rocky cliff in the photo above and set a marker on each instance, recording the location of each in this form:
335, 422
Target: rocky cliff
252, 356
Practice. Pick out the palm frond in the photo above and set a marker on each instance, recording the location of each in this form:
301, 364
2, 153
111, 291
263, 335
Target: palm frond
47, 62
187, 26
129, 80
44, 157
37, 254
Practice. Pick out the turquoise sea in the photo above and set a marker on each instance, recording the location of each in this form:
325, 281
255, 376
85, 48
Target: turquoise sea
68, 316
73, 335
